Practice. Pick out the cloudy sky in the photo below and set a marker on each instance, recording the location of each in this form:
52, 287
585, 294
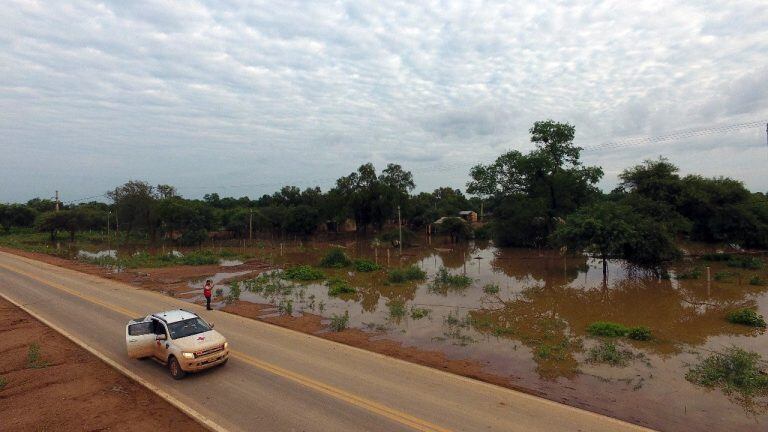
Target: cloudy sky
241, 97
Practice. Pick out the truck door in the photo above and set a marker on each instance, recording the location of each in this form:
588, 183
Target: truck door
160, 349
139, 339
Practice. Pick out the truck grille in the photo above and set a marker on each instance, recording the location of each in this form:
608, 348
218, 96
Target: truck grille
205, 352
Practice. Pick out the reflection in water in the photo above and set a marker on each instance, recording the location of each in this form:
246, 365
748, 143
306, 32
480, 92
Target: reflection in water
534, 327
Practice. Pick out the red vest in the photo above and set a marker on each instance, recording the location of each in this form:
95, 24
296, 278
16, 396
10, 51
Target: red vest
207, 291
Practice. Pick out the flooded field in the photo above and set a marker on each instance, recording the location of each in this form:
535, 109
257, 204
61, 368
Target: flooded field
523, 314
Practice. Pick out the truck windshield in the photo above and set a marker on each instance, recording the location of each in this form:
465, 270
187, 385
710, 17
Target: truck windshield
187, 327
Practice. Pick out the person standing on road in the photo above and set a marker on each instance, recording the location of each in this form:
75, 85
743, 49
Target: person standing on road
207, 293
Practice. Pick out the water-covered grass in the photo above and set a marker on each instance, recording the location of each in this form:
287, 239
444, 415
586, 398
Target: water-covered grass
406, 274
735, 371
338, 286
609, 352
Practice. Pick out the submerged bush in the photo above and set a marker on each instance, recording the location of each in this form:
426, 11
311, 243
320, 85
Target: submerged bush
365, 266
411, 273
746, 262
335, 258
396, 309
234, 293
690, 274
491, 289
339, 322
716, 257
337, 286
445, 279
756, 280
610, 353
746, 316
606, 328
419, 313
725, 276
303, 273
640, 333
736, 370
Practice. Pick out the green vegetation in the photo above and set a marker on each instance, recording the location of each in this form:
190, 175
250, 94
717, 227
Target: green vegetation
335, 258
444, 280
365, 266
455, 227
337, 286
640, 333
694, 273
734, 371
758, 281
218, 292
303, 273
396, 309
607, 329
269, 284
406, 274
746, 262
339, 322
725, 276
234, 293
34, 357
746, 316
418, 313
3, 382
717, 257
610, 353
285, 307
491, 289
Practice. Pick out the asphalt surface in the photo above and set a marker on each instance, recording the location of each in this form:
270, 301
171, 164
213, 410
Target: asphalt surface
282, 380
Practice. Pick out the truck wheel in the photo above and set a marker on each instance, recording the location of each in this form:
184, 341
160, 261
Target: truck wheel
175, 369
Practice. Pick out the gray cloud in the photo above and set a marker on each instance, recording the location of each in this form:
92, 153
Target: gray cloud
236, 94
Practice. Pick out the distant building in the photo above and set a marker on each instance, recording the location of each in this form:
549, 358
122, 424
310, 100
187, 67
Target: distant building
468, 215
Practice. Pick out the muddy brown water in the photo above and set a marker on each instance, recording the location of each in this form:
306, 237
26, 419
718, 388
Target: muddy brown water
533, 330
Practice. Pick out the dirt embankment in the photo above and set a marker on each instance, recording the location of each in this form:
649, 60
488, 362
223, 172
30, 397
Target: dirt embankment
66, 388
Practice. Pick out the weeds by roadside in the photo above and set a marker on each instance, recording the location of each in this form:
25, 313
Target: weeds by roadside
234, 293
3, 382
339, 322
34, 357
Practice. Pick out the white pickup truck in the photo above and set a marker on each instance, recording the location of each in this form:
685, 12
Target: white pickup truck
181, 340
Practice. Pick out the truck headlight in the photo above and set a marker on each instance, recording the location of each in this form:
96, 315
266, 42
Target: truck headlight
188, 355
226, 345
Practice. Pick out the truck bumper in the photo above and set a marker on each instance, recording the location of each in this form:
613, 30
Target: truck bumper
209, 361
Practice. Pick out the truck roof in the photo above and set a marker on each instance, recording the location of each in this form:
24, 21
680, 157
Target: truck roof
175, 315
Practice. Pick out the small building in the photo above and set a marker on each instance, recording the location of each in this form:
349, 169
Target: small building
468, 215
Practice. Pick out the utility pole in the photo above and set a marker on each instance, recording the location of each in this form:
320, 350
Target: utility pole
250, 228
400, 229
57, 200
109, 213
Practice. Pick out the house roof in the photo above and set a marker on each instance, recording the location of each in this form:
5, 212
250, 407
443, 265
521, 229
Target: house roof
466, 212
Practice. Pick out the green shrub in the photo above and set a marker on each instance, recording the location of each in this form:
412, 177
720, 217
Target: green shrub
411, 273
365, 266
610, 353
303, 273
605, 328
746, 262
716, 257
640, 333
340, 322
746, 316
34, 358
491, 289
419, 313
199, 258
337, 286
285, 307
393, 236
735, 370
482, 232
3, 382
690, 274
335, 258
756, 280
396, 308
445, 279
234, 293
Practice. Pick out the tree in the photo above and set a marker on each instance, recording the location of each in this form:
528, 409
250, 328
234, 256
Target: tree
16, 215
135, 206
302, 220
457, 228
551, 178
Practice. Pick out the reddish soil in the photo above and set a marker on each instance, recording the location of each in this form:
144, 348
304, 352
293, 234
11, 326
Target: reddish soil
75, 390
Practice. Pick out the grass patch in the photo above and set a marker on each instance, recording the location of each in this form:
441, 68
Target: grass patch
746, 316
337, 286
340, 322
365, 266
3, 382
303, 273
396, 309
446, 280
419, 313
734, 371
335, 258
34, 358
491, 289
610, 353
406, 274
746, 262
234, 293
694, 273
607, 329
640, 333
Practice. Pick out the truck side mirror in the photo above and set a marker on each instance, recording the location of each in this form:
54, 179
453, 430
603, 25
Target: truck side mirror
210, 324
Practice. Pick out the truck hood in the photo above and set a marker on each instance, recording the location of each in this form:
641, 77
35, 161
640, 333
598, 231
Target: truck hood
200, 341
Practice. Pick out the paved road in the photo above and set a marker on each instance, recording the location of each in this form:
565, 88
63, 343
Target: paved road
281, 380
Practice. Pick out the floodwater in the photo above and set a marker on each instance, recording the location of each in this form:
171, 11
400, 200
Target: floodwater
533, 328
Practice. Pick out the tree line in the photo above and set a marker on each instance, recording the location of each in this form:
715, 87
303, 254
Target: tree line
544, 198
